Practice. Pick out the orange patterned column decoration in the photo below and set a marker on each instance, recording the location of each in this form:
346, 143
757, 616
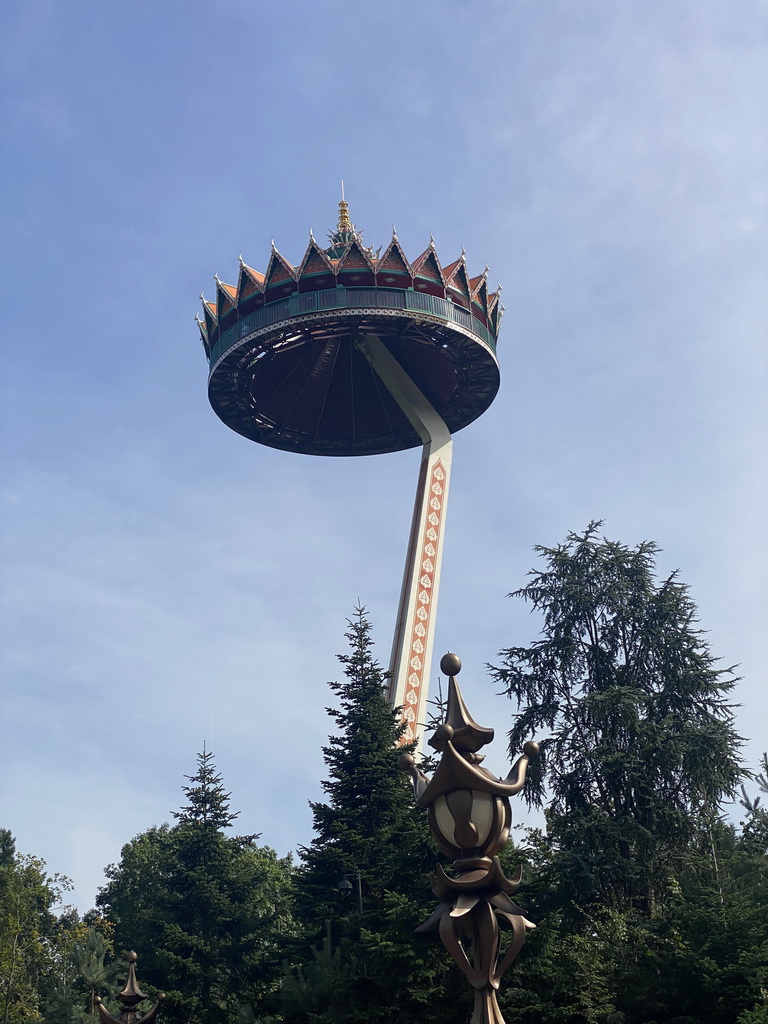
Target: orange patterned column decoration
412, 648
411, 657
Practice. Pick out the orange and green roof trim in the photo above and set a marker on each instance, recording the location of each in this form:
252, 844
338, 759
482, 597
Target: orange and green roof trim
347, 262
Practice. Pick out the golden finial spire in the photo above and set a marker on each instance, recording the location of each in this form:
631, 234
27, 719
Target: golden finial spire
345, 224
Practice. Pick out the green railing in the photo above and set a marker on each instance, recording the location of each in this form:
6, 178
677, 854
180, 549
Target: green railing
351, 298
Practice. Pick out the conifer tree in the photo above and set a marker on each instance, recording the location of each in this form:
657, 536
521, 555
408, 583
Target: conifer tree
365, 792
368, 824
208, 803
637, 740
206, 912
649, 905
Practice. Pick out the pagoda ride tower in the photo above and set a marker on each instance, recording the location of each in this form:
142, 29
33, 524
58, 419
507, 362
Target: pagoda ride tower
361, 352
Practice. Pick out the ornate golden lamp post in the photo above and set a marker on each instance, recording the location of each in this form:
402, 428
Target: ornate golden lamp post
470, 818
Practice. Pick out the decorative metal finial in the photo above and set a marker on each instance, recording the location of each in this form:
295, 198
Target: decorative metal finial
459, 726
130, 996
470, 818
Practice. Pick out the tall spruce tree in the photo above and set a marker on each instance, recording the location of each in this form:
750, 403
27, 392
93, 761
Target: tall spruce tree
381, 970
638, 747
208, 803
207, 913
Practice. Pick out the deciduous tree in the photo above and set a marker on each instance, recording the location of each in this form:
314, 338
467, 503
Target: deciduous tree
28, 896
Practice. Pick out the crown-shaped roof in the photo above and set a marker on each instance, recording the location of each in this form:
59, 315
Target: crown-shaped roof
286, 350
348, 261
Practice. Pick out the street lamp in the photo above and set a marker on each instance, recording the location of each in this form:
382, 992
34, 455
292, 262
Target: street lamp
345, 887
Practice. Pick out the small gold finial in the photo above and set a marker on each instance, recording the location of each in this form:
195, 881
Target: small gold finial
345, 224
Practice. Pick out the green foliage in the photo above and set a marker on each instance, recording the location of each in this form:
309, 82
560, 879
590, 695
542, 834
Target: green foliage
757, 1015
368, 823
701, 959
367, 807
91, 956
81, 967
27, 931
320, 988
650, 908
756, 824
639, 742
207, 913
208, 803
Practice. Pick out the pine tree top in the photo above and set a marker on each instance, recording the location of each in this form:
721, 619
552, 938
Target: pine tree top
208, 803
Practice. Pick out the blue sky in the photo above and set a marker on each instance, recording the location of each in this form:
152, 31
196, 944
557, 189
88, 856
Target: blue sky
167, 582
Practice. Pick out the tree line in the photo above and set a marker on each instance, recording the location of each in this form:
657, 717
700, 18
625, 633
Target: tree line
650, 904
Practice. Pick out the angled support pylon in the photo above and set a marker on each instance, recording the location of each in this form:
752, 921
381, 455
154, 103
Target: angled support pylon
411, 657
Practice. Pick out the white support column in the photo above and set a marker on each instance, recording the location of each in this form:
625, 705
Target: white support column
411, 658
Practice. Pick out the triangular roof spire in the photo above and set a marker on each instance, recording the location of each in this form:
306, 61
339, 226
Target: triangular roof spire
278, 269
315, 260
249, 282
226, 296
394, 259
